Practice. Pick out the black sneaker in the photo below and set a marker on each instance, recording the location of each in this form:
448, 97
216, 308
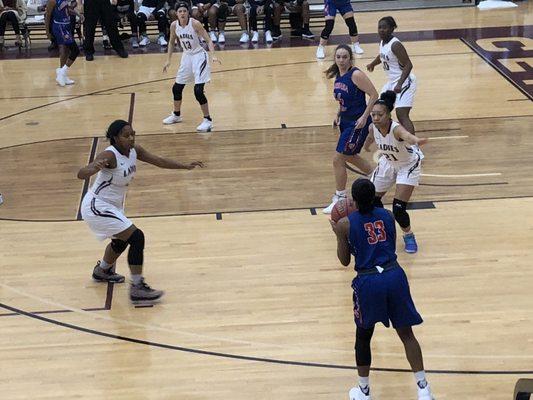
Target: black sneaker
296, 32
306, 33
143, 292
89, 57
102, 275
276, 34
122, 53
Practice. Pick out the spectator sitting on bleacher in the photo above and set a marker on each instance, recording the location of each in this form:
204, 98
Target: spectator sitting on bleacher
260, 7
222, 10
149, 10
14, 12
298, 18
200, 12
123, 9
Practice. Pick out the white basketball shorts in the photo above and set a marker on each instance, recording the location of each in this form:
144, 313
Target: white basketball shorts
387, 174
194, 68
407, 96
104, 219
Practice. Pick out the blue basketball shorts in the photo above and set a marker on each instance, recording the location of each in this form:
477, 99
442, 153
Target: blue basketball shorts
331, 7
351, 140
62, 33
384, 298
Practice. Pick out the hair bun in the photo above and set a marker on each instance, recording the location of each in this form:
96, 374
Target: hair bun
389, 98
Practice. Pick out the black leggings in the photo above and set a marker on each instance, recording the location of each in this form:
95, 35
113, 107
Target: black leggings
9, 16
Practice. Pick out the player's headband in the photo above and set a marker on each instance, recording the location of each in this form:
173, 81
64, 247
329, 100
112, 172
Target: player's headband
183, 5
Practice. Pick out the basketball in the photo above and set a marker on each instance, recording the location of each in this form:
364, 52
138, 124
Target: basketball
342, 208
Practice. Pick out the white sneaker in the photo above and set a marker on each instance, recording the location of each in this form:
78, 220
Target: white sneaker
213, 36
357, 394
255, 36
245, 38
320, 52
205, 126
161, 41
221, 38
334, 201
69, 81
134, 42
60, 78
357, 49
268, 37
145, 41
172, 119
425, 394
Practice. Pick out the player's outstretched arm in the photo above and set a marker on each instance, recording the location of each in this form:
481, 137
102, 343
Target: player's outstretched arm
105, 159
161, 162
171, 44
401, 133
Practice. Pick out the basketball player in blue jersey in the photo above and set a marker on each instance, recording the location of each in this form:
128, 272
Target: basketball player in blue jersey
380, 289
58, 14
103, 206
350, 90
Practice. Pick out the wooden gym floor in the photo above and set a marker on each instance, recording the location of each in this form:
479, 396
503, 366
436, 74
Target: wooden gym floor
257, 306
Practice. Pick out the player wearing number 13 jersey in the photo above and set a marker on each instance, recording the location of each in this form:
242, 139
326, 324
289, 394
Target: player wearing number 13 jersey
194, 66
380, 289
400, 162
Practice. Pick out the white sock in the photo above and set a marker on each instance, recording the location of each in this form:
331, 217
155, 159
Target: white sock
136, 279
364, 381
356, 43
64, 69
340, 193
105, 266
408, 233
420, 378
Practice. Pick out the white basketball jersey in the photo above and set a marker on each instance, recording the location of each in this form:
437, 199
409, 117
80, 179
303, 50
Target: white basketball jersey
395, 151
189, 39
111, 184
390, 62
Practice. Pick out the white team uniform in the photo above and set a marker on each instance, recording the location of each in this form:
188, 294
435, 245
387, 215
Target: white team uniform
103, 205
399, 162
393, 69
194, 66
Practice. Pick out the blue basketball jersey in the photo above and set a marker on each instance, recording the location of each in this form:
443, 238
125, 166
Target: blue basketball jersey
61, 13
352, 99
372, 238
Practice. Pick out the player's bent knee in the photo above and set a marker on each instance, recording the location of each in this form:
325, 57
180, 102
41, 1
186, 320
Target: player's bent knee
177, 91
199, 93
118, 246
136, 251
74, 51
399, 209
352, 26
330, 23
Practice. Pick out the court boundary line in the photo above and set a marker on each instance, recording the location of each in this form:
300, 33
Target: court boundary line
249, 358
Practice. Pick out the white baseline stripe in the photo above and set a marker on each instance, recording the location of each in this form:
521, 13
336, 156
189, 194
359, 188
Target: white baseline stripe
448, 137
463, 175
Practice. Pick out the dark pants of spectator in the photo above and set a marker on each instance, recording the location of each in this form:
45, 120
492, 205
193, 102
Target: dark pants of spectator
103, 10
269, 13
132, 18
9, 16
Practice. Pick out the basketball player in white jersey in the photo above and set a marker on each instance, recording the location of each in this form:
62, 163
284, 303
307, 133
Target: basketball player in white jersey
103, 206
194, 66
400, 162
397, 66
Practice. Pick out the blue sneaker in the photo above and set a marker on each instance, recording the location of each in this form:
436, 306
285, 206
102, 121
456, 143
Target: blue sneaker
410, 243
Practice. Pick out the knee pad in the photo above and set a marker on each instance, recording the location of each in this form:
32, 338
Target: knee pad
136, 251
352, 27
177, 91
327, 29
399, 209
199, 93
363, 354
118, 246
74, 51
378, 202
223, 11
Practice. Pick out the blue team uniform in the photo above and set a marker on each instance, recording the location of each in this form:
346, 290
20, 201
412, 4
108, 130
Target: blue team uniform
379, 296
352, 105
61, 22
332, 6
